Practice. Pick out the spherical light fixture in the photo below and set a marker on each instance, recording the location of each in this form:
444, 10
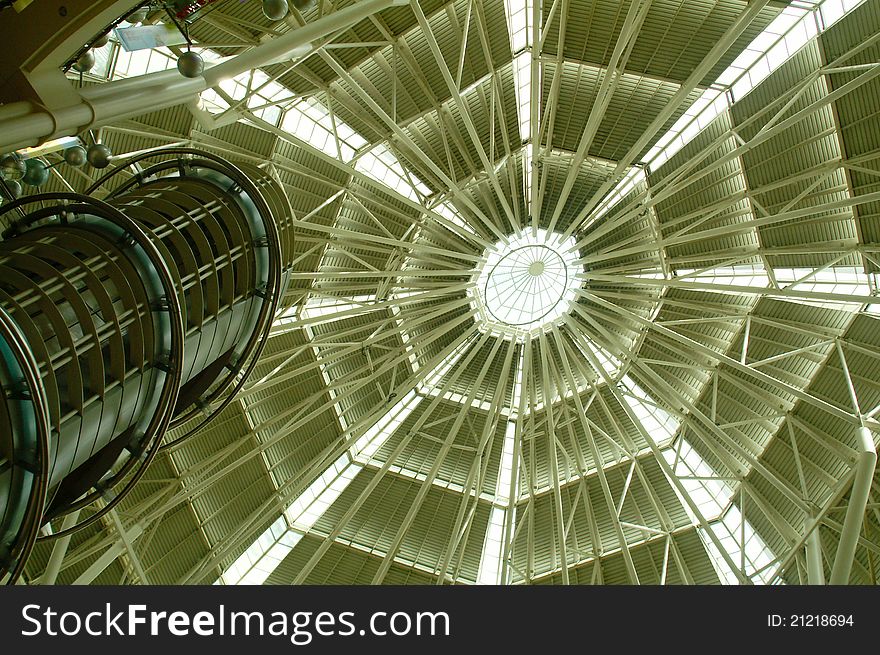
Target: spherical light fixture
85, 63
304, 5
36, 173
275, 9
75, 156
101, 41
99, 155
14, 188
12, 168
190, 64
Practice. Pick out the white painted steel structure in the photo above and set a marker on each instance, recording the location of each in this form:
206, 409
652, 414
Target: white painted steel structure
696, 404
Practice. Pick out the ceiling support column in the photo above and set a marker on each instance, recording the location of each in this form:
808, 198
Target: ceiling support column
815, 567
59, 550
858, 503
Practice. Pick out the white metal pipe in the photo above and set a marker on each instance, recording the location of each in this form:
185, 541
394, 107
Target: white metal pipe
59, 550
815, 567
858, 503
25, 124
15, 110
136, 83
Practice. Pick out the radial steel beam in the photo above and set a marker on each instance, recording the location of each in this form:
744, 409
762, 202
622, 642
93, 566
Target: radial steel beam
612, 76
707, 352
661, 461
440, 457
463, 110
594, 451
371, 183
550, 437
479, 468
524, 367
733, 33
108, 557
712, 432
291, 489
412, 147
764, 292
696, 169
377, 478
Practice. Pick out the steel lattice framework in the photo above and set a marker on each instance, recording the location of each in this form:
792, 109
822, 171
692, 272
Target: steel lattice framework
702, 410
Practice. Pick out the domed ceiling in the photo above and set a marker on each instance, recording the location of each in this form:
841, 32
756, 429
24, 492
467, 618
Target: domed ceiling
584, 293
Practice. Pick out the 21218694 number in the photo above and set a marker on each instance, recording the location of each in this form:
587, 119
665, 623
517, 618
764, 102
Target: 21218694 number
810, 621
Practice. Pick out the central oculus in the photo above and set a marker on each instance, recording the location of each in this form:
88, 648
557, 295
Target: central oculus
528, 282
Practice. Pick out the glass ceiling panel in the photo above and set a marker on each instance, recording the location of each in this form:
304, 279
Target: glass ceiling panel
840, 280
383, 166
793, 28
528, 282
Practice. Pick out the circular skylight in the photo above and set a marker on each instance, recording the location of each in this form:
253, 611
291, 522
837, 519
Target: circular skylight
529, 281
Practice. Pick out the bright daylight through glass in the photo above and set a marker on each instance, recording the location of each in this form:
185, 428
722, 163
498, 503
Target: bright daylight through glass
530, 281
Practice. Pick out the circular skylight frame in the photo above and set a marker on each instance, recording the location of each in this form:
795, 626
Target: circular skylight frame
557, 297
525, 281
